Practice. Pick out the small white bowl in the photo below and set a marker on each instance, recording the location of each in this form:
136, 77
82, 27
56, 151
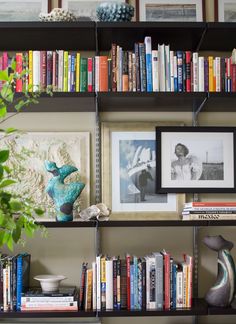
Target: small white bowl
50, 283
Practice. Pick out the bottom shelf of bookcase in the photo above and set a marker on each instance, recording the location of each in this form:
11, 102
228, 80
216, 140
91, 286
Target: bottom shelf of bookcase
199, 308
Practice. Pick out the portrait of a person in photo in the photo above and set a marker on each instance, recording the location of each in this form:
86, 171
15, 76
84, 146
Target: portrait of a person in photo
186, 166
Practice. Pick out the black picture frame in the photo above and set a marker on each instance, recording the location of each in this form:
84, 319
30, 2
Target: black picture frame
208, 164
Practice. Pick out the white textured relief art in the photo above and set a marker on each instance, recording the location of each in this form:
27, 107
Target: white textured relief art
27, 155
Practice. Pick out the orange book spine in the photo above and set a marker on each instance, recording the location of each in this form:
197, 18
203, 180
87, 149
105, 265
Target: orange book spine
19, 63
211, 76
103, 75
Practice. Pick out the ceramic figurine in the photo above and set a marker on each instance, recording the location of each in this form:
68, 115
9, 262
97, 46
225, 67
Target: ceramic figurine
99, 212
115, 11
63, 195
222, 293
57, 14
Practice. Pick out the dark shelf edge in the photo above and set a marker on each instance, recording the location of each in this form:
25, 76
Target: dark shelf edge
221, 311
145, 24
55, 224
42, 314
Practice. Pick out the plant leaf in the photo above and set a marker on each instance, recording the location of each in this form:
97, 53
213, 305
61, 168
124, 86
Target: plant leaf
10, 243
6, 183
16, 234
15, 205
7, 93
4, 75
7, 169
10, 130
4, 155
39, 211
3, 112
29, 231
1, 171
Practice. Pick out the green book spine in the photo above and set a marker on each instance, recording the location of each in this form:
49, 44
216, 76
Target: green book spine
83, 74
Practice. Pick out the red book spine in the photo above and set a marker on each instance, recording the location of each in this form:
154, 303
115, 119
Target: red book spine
4, 60
188, 71
43, 69
90, 74
214, 204
167, 280
19, 63
128, 280
233, 77
54, 57
1, 68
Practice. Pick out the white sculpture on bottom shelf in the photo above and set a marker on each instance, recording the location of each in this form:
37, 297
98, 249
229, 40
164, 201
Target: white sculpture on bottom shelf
100, 212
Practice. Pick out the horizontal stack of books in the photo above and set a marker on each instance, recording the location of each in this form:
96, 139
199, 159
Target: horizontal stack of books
209, 210
152, 282
146, 68
65, 299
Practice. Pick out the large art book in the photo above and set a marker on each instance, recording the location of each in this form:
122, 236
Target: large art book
22, 276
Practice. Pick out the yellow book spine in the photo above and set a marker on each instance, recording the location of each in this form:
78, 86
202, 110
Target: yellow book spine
103, 282
30, 71
77, 76
211, 75
65, 81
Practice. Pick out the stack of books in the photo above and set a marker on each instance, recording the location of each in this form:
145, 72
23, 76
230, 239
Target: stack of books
65, 299
209, 210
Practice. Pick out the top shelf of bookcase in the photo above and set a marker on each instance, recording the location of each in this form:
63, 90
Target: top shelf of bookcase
80, 36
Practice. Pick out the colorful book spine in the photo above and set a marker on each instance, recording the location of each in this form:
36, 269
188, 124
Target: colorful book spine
179, 55
148, 60
90, 74
103, 283
19, 68
83, 74
65, 71
142, 63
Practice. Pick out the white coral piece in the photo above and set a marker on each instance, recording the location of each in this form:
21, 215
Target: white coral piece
58, 14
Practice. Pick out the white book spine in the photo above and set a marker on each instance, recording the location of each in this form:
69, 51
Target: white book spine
195, 72
97, 73
98, 275
109, 284
218, 74
185, 282
45, 299
161, 61
201, 73
167, 67
179, 289
48, 304
172, 84
60, 70
155, 82
36, 70
5, 296
94, 289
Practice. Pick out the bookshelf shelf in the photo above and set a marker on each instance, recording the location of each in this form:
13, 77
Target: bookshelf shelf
54, 224
221, 311
44, 314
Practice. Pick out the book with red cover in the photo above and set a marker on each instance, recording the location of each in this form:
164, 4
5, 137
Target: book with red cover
19, 68
128, 280
166, 257
103, 75
188, 71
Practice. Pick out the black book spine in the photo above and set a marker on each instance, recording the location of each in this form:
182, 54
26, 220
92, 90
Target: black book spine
144, 285
143, 74
137, 67
115, 284
123, 284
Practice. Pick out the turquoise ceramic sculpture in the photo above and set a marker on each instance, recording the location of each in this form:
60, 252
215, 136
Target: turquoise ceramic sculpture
64, 195
223, 291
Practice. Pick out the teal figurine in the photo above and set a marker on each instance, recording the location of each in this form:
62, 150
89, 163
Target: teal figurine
64, 195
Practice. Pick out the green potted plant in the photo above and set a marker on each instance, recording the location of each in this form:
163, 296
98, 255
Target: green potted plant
17, 213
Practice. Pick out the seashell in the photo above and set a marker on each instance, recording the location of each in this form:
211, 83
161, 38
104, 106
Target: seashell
104, 212
89, 213
57, 14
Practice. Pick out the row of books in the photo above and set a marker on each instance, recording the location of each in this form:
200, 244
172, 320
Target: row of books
141, 70
161, 69
153, 282
65, 299
14, 280
209, 210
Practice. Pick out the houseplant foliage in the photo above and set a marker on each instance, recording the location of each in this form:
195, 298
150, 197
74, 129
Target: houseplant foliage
16, 212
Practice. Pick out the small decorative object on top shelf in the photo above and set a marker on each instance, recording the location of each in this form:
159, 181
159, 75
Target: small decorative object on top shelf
225, 10
58, 14
170, 10
63, 194
119, 12
50, 283
195, 159
100, 212
222, 293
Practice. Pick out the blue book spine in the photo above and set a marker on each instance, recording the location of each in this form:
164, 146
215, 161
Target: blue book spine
72, 79
174, 274
132, 286
148, 55
140, 284
19, 283
180, 70
135, 282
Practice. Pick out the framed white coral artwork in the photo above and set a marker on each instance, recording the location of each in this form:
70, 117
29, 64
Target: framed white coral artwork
26, 10
28, 153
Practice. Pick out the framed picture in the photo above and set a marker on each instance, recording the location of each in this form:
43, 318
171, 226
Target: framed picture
34, 148
170, 10
129, 172
225, 10
83, 8
26, 10
195, 159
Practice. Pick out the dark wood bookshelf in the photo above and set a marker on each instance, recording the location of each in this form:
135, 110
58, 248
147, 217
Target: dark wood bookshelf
55, 224
127, 33
46, 314
221, 311
47, 36
219, 36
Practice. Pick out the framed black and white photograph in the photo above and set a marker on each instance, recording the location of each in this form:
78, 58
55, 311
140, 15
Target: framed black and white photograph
170, 10
129, 174
83, 8
225, 10
26, 10
195, 159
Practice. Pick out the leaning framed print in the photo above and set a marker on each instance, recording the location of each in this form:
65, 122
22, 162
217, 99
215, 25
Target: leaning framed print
83, 8
26, 10
170, 10
129, 172
195, 159
225, 10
